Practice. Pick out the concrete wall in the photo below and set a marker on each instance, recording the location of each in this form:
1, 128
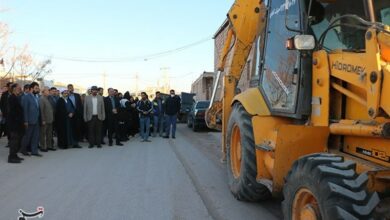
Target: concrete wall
202, 87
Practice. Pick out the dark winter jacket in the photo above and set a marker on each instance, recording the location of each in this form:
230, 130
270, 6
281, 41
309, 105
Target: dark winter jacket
144, 106
15, 116
172, 105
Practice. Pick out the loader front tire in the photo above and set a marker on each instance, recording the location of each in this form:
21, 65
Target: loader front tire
241, 158
324, 186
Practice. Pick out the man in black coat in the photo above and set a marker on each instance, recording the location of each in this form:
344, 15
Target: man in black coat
111, 106
16, 123
172, 108
75, 99
4, 103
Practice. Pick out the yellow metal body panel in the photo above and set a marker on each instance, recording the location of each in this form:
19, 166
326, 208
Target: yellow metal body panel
362, 71
353, 109
265, 131
279, 144
293, 142
253, 102
320, 94
372, 149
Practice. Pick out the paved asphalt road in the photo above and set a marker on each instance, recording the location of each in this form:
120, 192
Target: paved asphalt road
164, 179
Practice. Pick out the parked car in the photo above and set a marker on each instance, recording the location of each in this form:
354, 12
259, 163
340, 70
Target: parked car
196, 115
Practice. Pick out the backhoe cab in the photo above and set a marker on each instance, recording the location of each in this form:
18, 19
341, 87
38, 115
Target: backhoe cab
316, 131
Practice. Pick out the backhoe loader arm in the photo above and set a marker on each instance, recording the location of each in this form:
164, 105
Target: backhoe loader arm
246, 21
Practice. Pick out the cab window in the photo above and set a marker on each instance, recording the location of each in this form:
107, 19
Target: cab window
347, 35
382, 11
279, 73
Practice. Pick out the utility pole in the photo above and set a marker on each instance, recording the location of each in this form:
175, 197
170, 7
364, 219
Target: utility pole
165, 79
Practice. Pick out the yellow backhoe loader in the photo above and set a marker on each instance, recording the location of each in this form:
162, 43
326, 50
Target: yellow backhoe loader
316, 130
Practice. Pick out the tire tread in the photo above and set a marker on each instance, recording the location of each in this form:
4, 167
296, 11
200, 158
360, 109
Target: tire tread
247, 188
341, 192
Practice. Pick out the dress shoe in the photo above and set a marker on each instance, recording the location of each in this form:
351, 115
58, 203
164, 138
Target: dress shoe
77, 146
173, 137
26, 154
166, 137
99, 146
52, 149
37, 155
44, 150
103, 143
14, 160
90, 146
119, 144
110, 144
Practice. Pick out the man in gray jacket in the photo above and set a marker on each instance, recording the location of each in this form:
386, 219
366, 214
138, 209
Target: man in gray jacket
94, 115
46, 133
30, 103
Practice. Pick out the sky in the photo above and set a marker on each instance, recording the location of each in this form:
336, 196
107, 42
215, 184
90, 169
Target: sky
118, 30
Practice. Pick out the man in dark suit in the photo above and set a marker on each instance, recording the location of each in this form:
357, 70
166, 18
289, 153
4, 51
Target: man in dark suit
75, 99
111, 106
15, 125
30, 103
53, 99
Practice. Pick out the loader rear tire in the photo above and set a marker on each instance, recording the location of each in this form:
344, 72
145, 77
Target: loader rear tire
324, 186
241, 158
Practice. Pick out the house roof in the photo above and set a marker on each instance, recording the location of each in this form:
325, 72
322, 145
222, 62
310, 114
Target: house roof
205, 74
224, 25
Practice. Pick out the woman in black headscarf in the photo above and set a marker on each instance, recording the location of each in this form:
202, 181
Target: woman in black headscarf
124, 117
134, 124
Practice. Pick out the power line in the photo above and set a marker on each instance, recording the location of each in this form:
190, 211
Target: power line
128, 59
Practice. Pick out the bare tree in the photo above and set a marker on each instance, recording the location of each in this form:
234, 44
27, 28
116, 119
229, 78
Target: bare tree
18, 62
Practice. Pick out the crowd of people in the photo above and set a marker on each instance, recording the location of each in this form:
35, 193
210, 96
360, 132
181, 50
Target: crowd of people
39, 120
